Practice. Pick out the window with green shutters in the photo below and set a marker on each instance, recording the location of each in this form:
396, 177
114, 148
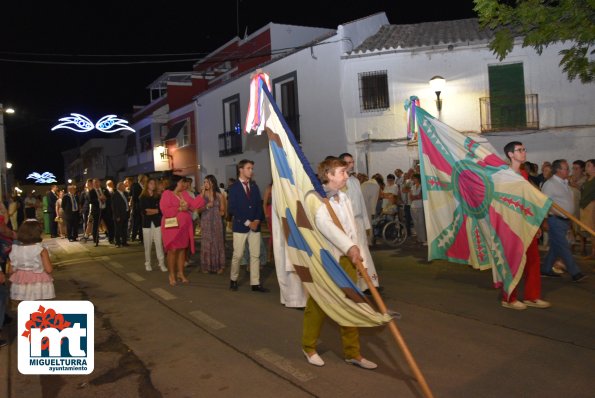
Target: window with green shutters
507, 96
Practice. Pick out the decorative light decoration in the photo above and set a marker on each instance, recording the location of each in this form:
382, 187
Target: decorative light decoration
44, 178
106, 123
75, 122
82, 124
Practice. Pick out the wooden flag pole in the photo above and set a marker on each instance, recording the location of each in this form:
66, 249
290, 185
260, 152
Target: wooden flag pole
382, 307
573, 218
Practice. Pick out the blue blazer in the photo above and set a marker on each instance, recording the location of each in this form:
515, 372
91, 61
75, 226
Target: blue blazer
242, 208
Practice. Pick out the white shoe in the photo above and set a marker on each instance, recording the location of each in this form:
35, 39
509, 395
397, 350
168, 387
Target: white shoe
362, 363
539, 303
514, 305
148, 268
313, 359
163, 268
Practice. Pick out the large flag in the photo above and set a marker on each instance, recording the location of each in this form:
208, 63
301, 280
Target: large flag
297, 195
478, 211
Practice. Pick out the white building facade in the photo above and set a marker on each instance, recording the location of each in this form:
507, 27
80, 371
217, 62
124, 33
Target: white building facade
345, 93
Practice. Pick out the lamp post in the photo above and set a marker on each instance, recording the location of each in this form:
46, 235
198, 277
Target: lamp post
3, 181
437, 83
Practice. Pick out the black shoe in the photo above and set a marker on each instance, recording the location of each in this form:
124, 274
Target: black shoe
579, 277
233, 285
3, 343
125, 244
96, 244
550, 275
259, 288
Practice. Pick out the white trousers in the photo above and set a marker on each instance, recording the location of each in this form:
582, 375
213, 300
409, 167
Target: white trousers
239, 244
151, 235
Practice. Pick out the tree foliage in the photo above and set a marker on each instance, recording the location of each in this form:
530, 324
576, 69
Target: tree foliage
540, 23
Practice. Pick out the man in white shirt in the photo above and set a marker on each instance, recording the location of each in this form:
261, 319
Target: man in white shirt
391, 188
558, 224
362, 222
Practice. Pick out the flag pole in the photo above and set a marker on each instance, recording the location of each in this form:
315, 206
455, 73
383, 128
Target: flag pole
382, 307
573, 218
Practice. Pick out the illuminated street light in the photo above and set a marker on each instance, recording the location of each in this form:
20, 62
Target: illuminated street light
3, 165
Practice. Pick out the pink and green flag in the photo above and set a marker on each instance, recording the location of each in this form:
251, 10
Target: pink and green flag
478, 211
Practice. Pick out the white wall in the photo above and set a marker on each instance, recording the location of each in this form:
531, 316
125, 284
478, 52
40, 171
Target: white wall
563, 106
322, 127
289, 36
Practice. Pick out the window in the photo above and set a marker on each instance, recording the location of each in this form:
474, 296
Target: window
183, 137
507, 96
373, 91
131, 145
144, 138
230, 141
286, 96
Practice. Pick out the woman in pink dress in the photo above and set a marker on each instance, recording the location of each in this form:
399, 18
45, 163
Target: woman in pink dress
176, 202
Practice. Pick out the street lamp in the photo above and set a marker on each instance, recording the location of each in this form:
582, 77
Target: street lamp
3, 181
437, 83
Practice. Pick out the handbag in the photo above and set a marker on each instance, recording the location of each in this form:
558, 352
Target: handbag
171, 222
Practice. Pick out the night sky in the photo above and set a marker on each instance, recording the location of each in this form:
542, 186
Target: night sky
58, 32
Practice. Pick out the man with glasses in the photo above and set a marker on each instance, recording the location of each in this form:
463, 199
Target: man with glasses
517, 156
558, 224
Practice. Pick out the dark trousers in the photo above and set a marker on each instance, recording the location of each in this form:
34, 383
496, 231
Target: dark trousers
136, 224
72, 225
106, 216
120, 231
53, 223
408, 218
96, 215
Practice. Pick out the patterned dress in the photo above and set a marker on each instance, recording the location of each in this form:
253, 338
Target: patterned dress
212, 246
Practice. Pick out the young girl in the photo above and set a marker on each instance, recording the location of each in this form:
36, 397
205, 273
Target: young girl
31, 266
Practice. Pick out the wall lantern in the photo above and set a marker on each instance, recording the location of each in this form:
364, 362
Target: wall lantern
437, 83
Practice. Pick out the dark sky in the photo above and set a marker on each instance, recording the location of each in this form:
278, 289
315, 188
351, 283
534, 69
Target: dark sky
42, 93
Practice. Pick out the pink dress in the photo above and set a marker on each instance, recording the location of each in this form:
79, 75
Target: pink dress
181, 236
29, 280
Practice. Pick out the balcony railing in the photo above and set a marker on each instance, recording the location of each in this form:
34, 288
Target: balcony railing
509, 113
230, 143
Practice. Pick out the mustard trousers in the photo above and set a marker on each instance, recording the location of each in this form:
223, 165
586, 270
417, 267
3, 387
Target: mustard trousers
314, 317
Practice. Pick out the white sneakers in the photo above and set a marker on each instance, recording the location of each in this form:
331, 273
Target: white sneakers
514, 305
517, 305
539, 303
161, 267
313, 359
362, 363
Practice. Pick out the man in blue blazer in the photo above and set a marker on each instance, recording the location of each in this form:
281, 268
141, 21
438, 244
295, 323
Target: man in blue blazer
245, 206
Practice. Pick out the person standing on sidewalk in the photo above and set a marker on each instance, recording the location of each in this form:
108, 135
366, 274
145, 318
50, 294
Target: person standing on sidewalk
517, 155
120, 211
135, 214
558, 224
245, 206
151, 222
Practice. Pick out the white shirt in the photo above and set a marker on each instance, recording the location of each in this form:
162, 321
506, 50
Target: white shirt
559, 191
341, 240
354, 192
394, 189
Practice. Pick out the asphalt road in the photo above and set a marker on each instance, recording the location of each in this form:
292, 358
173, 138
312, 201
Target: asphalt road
202, 340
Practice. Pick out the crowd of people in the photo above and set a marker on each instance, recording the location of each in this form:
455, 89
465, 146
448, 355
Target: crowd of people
165, 213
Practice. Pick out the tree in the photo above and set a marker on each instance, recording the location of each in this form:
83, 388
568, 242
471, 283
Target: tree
540, 23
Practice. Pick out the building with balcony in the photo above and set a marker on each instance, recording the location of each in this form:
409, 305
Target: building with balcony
167, 132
